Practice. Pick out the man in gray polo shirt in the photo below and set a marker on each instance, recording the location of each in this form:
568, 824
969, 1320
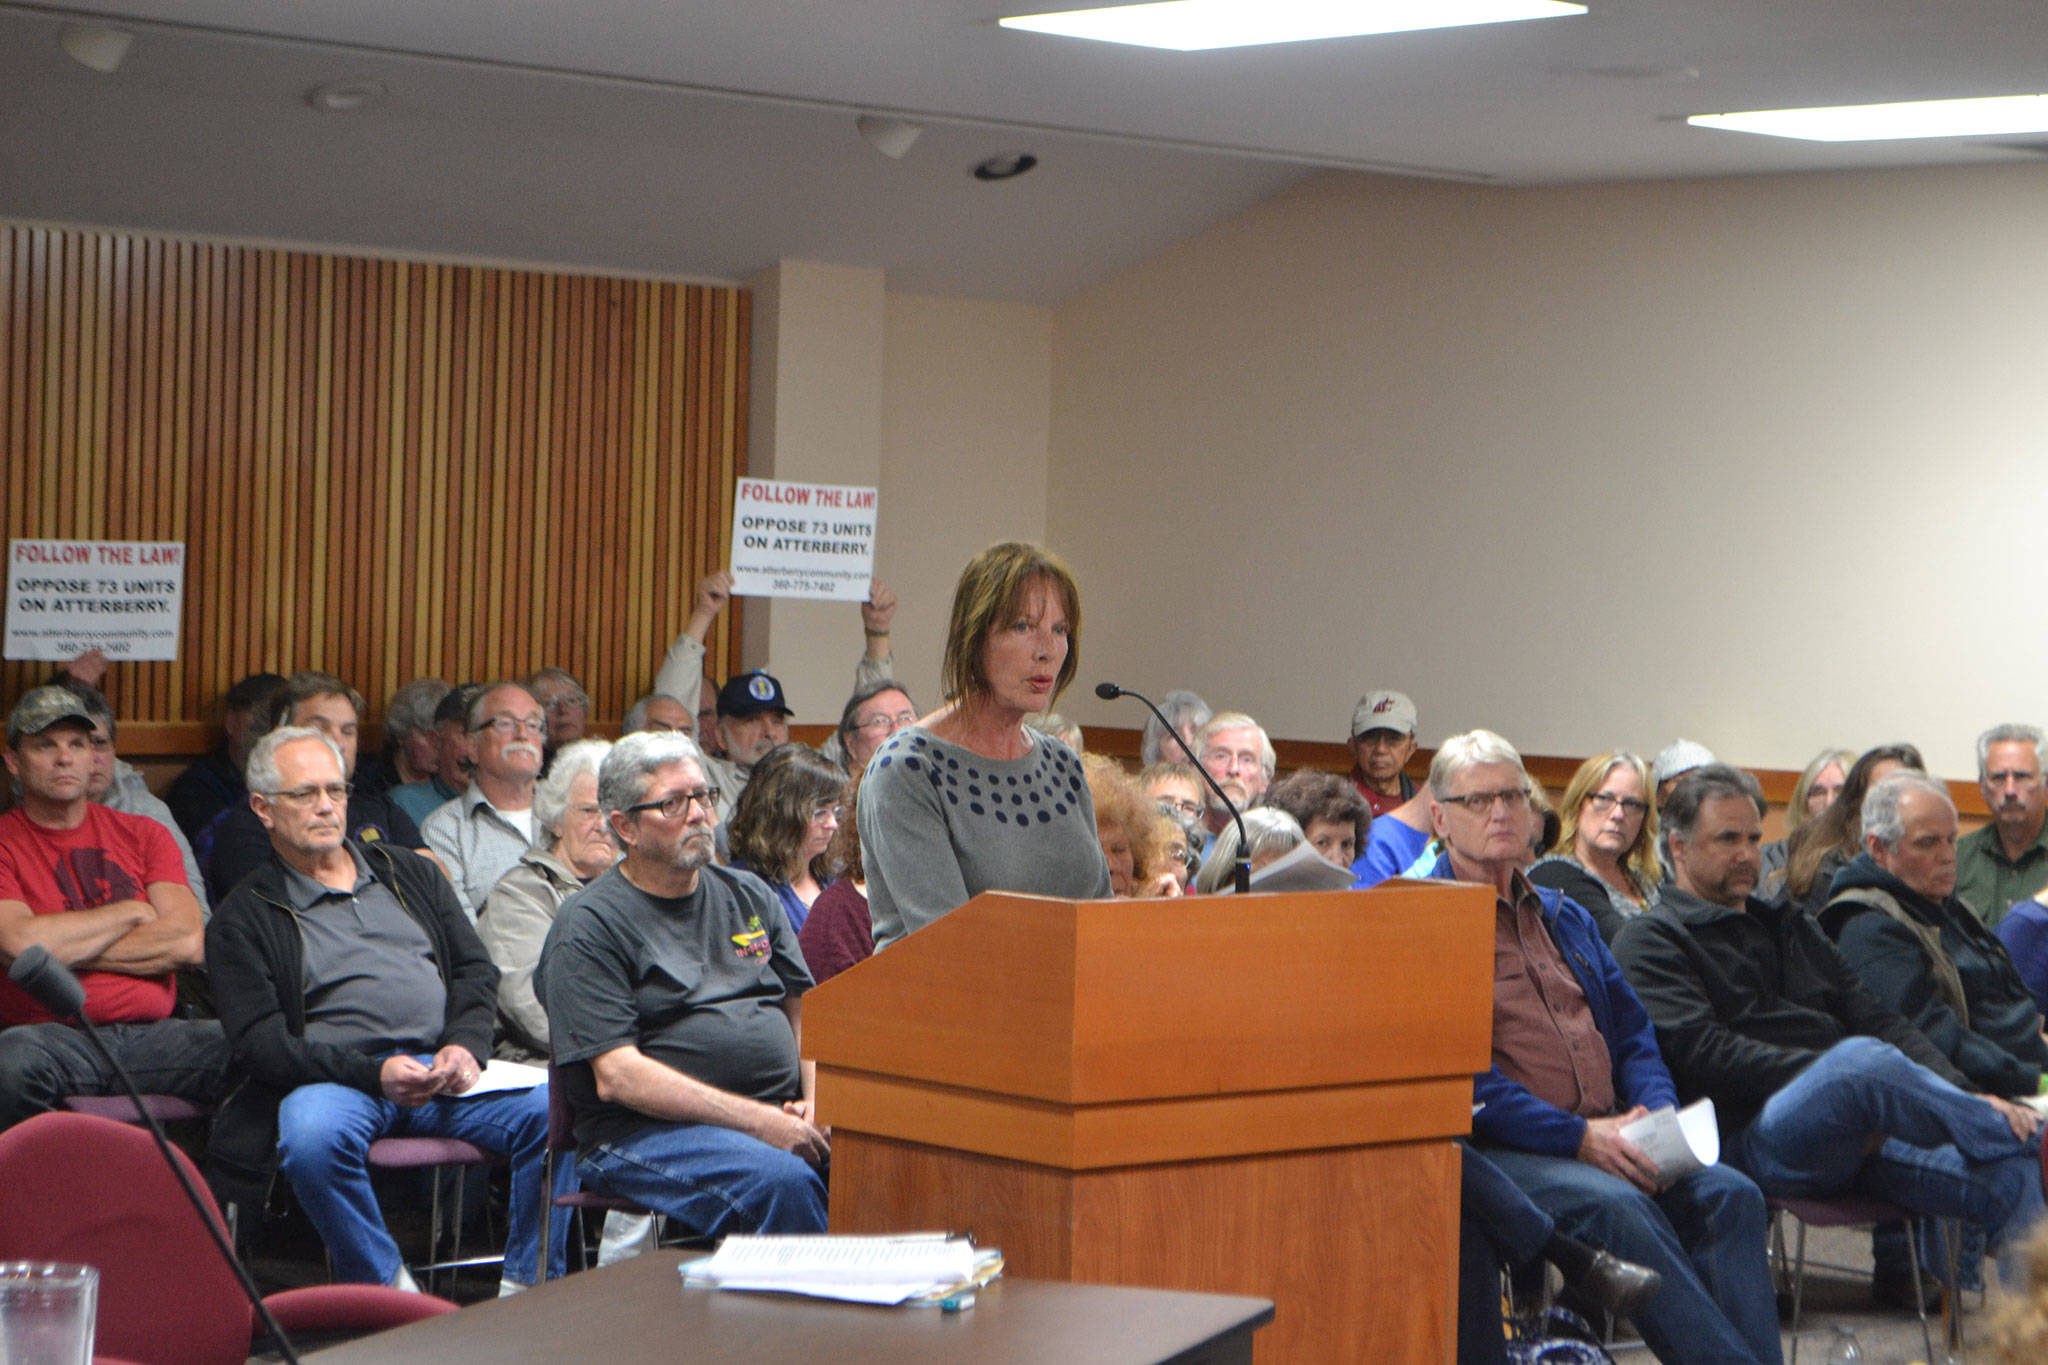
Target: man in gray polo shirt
358, 1004
481, 834
673, 989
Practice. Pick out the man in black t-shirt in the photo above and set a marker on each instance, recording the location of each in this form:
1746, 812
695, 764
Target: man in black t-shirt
674, 996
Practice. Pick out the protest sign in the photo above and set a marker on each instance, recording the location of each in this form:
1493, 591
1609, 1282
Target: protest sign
811, 540
122, 597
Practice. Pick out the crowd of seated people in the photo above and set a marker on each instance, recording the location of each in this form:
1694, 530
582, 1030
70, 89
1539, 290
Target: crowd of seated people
1863, 1008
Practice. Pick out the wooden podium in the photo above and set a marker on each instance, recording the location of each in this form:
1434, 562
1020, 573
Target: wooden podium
1250, 1095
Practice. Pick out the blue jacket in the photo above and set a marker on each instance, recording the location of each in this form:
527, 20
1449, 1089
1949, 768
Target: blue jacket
1512, 1116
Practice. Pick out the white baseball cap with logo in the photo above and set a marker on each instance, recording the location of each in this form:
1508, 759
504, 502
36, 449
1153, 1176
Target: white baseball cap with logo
1383, 711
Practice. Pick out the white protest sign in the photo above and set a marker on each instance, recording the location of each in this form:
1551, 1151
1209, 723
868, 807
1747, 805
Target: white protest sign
802, 540
123, 597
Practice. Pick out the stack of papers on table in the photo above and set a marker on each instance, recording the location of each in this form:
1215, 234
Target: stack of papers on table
919, 1269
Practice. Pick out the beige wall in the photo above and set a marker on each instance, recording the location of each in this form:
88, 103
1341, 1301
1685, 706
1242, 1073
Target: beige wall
1759, 461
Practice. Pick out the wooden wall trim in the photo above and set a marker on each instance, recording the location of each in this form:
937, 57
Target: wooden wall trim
387, 469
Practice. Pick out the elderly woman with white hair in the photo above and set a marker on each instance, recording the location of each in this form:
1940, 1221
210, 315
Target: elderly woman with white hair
1269, 835
1187, 713
575, 845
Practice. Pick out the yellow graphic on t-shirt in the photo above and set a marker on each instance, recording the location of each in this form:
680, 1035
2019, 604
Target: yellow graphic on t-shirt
753, 940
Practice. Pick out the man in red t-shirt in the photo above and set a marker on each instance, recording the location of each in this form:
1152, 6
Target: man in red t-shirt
105, 893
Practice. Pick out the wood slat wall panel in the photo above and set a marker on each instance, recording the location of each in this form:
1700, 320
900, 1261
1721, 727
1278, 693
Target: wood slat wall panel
384, 469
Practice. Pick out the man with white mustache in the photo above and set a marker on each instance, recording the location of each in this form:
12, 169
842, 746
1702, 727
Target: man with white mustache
480, 835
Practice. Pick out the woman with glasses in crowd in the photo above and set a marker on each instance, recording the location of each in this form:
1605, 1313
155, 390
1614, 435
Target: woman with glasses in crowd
1812, 794
972, 799
784, 822
1825, 845
1605, 854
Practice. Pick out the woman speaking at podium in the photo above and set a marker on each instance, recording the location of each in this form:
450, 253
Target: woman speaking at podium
970, 799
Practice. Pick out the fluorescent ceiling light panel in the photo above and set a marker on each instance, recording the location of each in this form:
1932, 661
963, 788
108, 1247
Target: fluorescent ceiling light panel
1198, 25
1882, 122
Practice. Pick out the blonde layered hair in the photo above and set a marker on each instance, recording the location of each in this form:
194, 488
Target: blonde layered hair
1640, 861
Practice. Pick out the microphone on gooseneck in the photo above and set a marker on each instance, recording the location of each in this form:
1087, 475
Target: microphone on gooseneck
1242, 872
56, 988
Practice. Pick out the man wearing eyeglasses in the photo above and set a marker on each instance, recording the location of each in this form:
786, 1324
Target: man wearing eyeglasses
673, 988
1574, 1062
105, 893
358, 1003
480, 835
873, 713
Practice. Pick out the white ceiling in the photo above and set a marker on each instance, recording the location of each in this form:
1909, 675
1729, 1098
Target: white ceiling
709, 140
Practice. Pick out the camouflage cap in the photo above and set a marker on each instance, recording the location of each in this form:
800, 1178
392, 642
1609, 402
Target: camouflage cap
42, 707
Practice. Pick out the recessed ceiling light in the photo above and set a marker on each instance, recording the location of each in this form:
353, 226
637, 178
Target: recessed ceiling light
343, 96
1198, 25
1986, 117
1005, 166
96, 46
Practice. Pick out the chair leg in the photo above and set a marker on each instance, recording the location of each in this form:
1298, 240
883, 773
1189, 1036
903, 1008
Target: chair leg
1913, 1226
455, 1233
1798, 1289
547, 1211
1952, 1307
434, 1233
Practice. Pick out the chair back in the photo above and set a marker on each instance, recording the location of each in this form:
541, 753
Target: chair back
77, 1187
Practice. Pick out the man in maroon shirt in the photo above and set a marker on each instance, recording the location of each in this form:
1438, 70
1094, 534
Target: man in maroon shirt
106, 894
1382, 742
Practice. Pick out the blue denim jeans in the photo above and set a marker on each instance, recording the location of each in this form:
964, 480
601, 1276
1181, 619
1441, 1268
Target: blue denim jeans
1944, 1152
1498, 1228
709, 1180
324, 1134
1705, 1235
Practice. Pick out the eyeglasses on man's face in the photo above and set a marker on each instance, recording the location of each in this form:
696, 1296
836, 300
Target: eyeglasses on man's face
505, 727
1482, 803
336, 792
677, 804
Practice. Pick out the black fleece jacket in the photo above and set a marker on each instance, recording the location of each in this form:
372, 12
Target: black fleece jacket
1745, 1000
2000, 1047
255, 954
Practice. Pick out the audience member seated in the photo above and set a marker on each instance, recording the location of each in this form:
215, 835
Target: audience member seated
1819, 1087
1399, 844
1235, 750
322, 702
1674, 761
117, 786
1812, 794
358, 1003
2024, 932
105, 893
673, 989
839, 931
575, 846
1605, 854
1187, 713
659, 711
872, 714
1575, 1062
972, 799
213, 781
456, 763
1176, 788
1270, 834
1060, 728
560, 694
481, 834
682, 669
753, 718
1132, 832
1825, 844
784, 823
412, 752
1925, 956
1334, 818
1382, 741
2006, 861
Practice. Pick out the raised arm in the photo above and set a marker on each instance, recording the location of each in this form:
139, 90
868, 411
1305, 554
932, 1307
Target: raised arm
682, 670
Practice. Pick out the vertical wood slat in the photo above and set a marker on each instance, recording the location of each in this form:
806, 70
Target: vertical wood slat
387, 470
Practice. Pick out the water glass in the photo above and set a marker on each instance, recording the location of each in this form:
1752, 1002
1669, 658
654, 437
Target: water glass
47, 1312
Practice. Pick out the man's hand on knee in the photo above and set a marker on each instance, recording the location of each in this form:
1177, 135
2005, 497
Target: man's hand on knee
792, 1133
2024, 1121
1604, 1147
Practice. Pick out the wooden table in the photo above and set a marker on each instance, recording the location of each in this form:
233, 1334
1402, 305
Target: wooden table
639, 1310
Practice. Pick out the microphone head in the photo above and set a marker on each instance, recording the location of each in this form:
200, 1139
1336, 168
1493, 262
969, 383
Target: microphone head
1108, 691
49, 982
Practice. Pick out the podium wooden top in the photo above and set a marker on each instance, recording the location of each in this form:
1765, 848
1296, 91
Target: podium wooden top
1095, 1002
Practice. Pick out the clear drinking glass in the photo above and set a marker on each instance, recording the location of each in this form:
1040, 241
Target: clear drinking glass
47, 1313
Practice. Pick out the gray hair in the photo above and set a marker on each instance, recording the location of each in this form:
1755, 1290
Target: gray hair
1267, 829
551, 793
1882, 818
261, 770
412, 707
2007, 734
1469, 750
1708, 782
475, 719
622, 777
1058, 726
636, 714
1178, 705
1237, 720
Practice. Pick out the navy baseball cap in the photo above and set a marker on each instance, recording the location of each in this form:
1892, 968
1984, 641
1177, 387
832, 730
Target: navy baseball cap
751, 694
